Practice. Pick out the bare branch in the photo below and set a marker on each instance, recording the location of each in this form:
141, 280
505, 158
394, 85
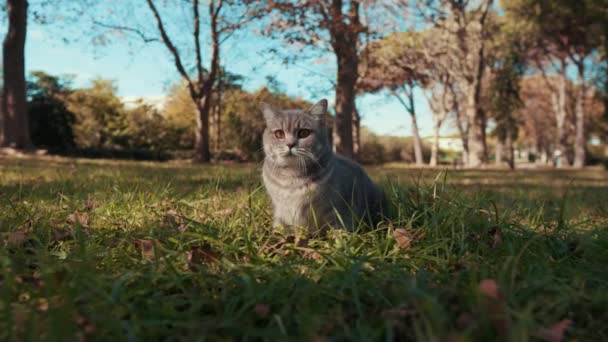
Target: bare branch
197, 42
194, 93
137, 32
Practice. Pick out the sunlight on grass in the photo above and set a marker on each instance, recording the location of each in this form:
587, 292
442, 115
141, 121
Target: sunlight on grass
148, 251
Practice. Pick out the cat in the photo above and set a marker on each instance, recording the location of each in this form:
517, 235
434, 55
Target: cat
308, 184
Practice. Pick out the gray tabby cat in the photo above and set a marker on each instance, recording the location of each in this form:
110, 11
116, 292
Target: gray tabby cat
309, 185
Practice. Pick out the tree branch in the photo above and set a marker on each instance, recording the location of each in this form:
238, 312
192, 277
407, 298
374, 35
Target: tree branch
139, 33
197, 42
194, 93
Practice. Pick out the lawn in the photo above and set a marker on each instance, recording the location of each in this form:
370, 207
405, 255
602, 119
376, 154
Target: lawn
167, 251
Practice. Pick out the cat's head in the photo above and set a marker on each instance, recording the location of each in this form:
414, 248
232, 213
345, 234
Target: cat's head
295, 136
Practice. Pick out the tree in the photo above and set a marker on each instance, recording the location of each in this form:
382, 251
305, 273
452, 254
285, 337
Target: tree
223, 21
313, 23
566, 31
99, 116
14, 130
50, 121
466, 29
504, 103
397, 64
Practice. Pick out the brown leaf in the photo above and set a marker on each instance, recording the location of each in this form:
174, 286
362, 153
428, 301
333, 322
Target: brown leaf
147, 248
90, 204
405, 238
79, 218
495, 306
33, 280
201, 255
43, 305
173, 218
14, 239
495, 237
556, 332
312, 255
262, 310
489, 288
276, 248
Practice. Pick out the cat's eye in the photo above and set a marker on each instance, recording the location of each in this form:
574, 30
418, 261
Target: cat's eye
279, 134
303, 133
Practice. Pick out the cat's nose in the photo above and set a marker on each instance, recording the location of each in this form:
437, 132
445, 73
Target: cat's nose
291, 145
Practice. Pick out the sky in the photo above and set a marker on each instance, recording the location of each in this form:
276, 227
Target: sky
147, 70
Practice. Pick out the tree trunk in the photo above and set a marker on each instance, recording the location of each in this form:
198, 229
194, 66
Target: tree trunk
559, 107
435, 146
477, 148
218, 116
579, 142
356, 132
14, 126
202, 152
498, 152
464, 136
417, 140
345, 101
510, 150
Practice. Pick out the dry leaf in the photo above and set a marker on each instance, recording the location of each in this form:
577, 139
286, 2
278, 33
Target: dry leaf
13, 239
495, 236
489, 288
200, 255
276, 248
32, 280
146, 247
405, 238
556, 332
312, 255
79, 218
90, 204
43, 305
495, 306
262, 310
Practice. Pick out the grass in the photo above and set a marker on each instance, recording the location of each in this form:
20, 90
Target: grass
158, 251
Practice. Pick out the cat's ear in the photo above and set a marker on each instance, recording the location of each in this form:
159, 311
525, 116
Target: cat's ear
267, 111
319, 110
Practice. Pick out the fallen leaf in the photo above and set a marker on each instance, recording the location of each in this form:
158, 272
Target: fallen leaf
495, 306
312, 255
146, 247
79, 218
276, 248
556, 332
262, 310
32, 280
405, 238
14, 239
43, 305
495, 236
90, 204
489, 288
200, 255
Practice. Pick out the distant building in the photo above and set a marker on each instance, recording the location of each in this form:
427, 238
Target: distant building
449, 143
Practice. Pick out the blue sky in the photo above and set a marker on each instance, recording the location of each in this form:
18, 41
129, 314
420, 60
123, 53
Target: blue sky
146, 70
